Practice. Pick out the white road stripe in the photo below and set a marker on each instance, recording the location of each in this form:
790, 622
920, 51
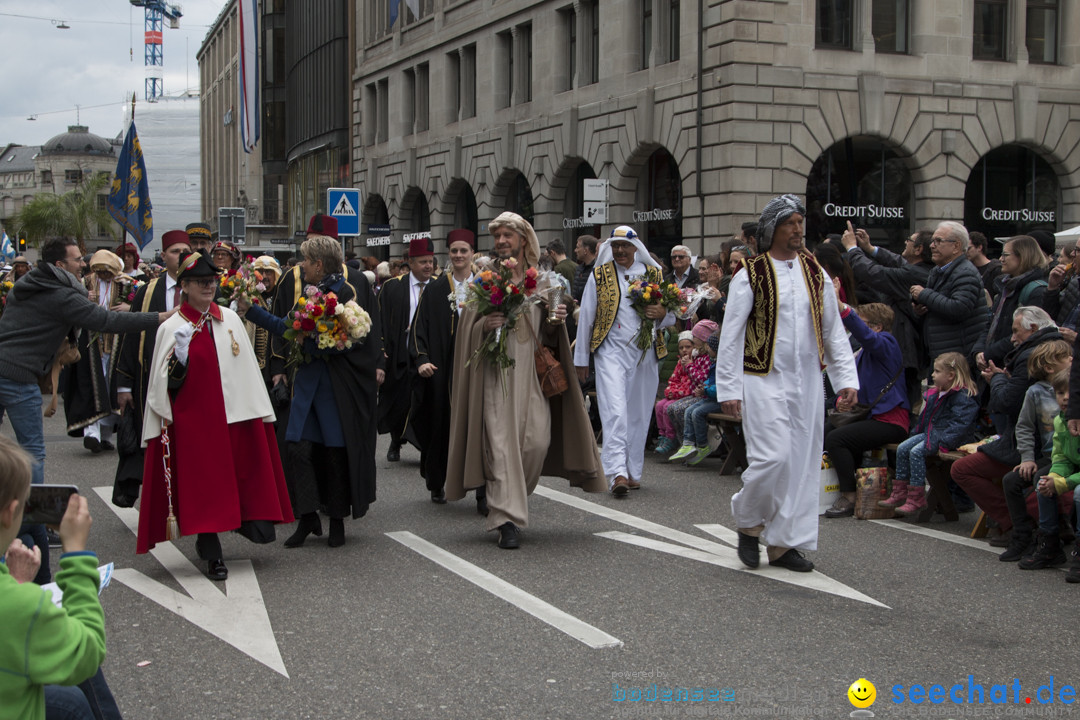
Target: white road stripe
730, 560
937, 534
572, 626
705, 550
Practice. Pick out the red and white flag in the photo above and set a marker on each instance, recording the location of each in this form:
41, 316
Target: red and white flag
249, 73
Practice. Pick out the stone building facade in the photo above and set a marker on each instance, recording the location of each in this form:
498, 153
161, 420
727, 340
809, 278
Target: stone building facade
230, 177
893, 114
56, 167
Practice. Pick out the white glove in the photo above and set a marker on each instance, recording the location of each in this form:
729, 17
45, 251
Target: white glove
183, 335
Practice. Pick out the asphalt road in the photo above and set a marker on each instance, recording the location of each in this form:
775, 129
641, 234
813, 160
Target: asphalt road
376, 629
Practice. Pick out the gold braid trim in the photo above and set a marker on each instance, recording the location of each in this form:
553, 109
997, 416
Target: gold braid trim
607, 303
815, 288
761, 324
654, 275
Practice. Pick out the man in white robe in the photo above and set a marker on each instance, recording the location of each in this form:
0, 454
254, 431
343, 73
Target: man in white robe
781, 326
626, 375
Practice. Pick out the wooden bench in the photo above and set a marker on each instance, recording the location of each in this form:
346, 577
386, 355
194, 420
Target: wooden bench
731, 439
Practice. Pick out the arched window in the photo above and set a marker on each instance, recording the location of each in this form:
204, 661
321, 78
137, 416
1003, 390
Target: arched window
1010, 191
658, 208
862, 180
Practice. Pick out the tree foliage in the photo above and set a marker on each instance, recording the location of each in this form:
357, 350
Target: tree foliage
74, 214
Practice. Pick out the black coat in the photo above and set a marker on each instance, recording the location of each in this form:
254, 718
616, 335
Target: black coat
891, 277
134, 354
353, 377
956, 309
996, 342
395, 395
434, 332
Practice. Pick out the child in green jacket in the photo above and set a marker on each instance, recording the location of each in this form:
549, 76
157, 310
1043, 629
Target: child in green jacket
43, 644
1063, 477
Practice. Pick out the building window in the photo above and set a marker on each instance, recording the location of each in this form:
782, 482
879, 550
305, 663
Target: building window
371, 110
889, 23
422, 102
1042, 24
646, 33
378, 20
591, 62
424, 6
1011, 191
673, 30
834, 27
383, 111
46, 177
468, 81
408, 102
504, 78
72, 177
525, 63
568, 22
988, 37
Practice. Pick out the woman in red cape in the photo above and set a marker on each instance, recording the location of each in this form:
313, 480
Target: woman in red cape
212, 458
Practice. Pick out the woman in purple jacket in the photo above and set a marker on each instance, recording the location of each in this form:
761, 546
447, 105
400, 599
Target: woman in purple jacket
881, 384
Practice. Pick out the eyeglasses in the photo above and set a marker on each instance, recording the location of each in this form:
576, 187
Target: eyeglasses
938, 241
680, 257
204, 282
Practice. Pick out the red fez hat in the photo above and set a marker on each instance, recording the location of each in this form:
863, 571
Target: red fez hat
323, 225
461, 235
421, 247
127, 248
173, 237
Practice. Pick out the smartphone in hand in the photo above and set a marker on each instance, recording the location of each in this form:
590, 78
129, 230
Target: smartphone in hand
48, 503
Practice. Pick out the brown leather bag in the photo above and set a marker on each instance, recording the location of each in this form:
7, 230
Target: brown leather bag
548, 369
67, 354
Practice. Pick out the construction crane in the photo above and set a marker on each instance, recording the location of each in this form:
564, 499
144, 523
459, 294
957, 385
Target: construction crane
156, 13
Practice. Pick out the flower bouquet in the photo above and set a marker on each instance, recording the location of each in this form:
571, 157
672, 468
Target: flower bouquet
691, 299
642, 294
127, 294
495, 291
331, 324
245, 282
5, 288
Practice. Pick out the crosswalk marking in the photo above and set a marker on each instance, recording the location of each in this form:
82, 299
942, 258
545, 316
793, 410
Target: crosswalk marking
938, 535
541, 610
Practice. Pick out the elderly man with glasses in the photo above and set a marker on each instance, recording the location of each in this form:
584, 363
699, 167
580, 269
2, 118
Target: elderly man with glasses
953, 303
682, 274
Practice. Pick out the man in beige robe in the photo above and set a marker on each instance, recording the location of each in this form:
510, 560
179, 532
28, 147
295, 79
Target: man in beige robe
506, 439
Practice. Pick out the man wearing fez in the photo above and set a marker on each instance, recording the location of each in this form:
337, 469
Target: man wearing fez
781, 327
433, 333
398, 299
200, 237
161, 294
626, 375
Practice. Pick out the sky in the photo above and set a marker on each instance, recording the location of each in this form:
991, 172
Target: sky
95, 64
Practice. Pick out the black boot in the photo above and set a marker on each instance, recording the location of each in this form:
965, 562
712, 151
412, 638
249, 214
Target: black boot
394, 453
337, 533
310, 524
1073, 573
1019, 546
749, 550
1048, 553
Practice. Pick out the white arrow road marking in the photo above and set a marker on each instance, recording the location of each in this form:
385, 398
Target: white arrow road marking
541, 610
704, 550
937, 534
238, 617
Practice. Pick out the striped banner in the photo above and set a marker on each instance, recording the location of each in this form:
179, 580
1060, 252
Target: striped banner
249, 73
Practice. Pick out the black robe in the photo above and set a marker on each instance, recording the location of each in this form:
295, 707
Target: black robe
434, 330
396, 394
133, 357
353, 376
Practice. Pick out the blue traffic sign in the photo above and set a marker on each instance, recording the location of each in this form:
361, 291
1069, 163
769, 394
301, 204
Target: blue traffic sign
343, 204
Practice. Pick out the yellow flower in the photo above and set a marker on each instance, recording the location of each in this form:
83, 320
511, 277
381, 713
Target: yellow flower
322, 327
302, 302
647, 295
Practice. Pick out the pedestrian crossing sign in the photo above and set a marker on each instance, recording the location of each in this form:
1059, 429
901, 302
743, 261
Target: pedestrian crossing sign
343, 204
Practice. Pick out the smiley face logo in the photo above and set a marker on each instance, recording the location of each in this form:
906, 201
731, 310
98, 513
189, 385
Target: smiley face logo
862, 693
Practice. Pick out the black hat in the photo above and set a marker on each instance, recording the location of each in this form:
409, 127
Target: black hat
1046, 241
196, 265
198, 230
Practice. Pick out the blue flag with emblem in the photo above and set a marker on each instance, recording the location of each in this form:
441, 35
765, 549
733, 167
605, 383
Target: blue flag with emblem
129, 199
7, 249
